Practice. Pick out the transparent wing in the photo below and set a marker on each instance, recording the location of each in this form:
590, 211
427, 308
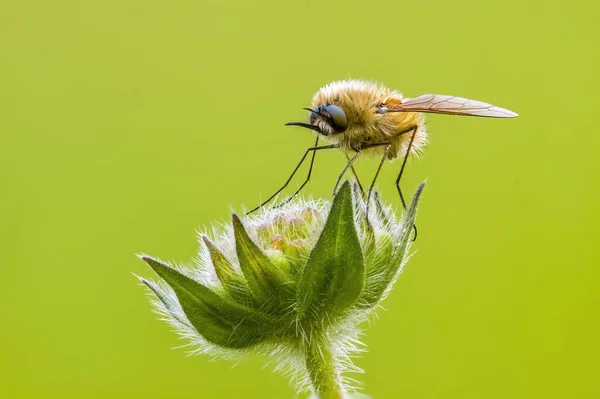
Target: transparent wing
441, 104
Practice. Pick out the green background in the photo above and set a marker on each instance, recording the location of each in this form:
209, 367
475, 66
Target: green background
126, 125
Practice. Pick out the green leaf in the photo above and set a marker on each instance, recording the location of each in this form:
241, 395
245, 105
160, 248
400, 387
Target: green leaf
408, 220
233, 283
268, 283
377, 262
164, 299
219, 321
389, 256
334, 275
381, 211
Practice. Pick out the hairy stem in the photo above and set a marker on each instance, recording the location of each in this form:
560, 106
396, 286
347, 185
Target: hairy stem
322, 369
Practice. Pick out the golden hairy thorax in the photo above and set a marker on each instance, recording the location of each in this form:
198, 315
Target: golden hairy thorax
360, 101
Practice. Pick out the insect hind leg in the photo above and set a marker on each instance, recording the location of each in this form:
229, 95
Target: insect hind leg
410, 143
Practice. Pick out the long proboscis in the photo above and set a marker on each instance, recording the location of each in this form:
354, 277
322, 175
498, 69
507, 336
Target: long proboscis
306, 125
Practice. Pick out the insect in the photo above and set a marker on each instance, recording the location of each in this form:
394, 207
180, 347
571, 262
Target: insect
362, 117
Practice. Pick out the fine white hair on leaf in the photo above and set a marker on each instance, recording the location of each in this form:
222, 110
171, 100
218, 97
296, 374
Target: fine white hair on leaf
299, 221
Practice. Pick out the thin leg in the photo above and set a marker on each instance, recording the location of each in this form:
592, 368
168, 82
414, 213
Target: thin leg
412, 138
356, 176
337, 183
312, 161
316, 148
385, 154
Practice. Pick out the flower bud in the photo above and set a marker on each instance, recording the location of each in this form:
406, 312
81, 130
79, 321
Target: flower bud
292, 283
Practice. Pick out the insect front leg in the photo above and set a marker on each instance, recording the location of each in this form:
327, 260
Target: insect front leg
313, 149
312, 161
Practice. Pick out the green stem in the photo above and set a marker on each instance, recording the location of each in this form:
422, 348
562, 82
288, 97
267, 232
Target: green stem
323, 372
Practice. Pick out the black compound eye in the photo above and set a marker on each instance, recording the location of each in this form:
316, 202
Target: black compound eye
338, 119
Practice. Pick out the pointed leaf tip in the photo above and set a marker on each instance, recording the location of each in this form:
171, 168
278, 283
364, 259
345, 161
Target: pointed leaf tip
164, 299
267, 282
219, 321
419, 191
230, 279
146, 258
403, 244
236, 220
410, 214
152, 262
346, 187
206, 240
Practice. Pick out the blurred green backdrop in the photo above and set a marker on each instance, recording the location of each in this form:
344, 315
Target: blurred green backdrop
126, 125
